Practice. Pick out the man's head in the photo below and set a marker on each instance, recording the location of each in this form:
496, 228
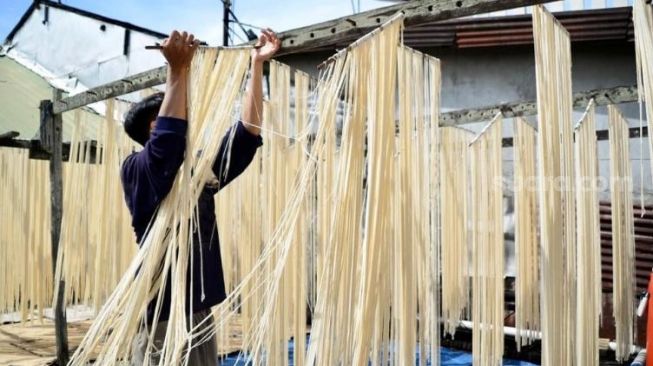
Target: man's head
141, 118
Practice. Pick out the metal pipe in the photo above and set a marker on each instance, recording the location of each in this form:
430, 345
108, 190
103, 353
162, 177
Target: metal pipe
512, 331
225, 22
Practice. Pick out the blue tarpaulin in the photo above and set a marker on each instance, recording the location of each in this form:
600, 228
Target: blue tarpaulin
451, 357
448, 357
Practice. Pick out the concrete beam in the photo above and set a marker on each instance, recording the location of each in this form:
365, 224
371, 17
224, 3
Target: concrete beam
114, 89
617, 95
416, 12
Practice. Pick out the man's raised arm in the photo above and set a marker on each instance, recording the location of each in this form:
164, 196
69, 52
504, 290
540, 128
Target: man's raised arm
266, 47
178, 49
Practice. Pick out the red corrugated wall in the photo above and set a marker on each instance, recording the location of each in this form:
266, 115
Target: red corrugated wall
643, 264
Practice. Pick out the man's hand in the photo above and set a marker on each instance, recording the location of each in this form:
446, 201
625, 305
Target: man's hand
268, 44
178, 49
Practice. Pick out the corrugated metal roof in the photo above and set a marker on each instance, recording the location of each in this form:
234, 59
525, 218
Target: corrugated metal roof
585, 25
21, 91
611, 24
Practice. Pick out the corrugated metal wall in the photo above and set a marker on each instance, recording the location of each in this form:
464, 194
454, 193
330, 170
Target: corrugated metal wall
643, 246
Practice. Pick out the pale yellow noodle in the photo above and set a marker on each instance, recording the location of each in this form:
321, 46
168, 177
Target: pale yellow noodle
556, 189
454, 158
588, 307
487, 245
527, 292
623, 236
643, 24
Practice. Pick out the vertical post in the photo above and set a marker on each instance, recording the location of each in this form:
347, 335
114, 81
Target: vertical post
225, 22
51, 136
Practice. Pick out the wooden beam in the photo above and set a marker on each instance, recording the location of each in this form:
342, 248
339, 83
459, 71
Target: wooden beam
38, 152
416, 12
36, 149
51, 133
114, 89
20, 144
8, 135
617, 95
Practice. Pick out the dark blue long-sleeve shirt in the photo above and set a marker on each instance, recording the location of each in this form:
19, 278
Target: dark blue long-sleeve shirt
147, 177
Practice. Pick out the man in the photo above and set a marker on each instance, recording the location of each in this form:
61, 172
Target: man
159, 123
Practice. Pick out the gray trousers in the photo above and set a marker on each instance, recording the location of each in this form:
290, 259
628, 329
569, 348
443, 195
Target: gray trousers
205, 354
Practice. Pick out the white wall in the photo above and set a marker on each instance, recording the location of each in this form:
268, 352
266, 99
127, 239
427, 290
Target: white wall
73, 53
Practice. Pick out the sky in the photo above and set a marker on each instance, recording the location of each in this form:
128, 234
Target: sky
201, 17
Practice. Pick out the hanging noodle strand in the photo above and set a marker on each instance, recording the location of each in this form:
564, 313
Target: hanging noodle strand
623, 238
487, 245
556, 189
527, 293
588, 307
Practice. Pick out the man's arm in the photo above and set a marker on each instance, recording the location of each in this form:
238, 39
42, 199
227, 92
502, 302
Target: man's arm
178, 49
236, 152
156, 166
239, 144
266, 47
163, 154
